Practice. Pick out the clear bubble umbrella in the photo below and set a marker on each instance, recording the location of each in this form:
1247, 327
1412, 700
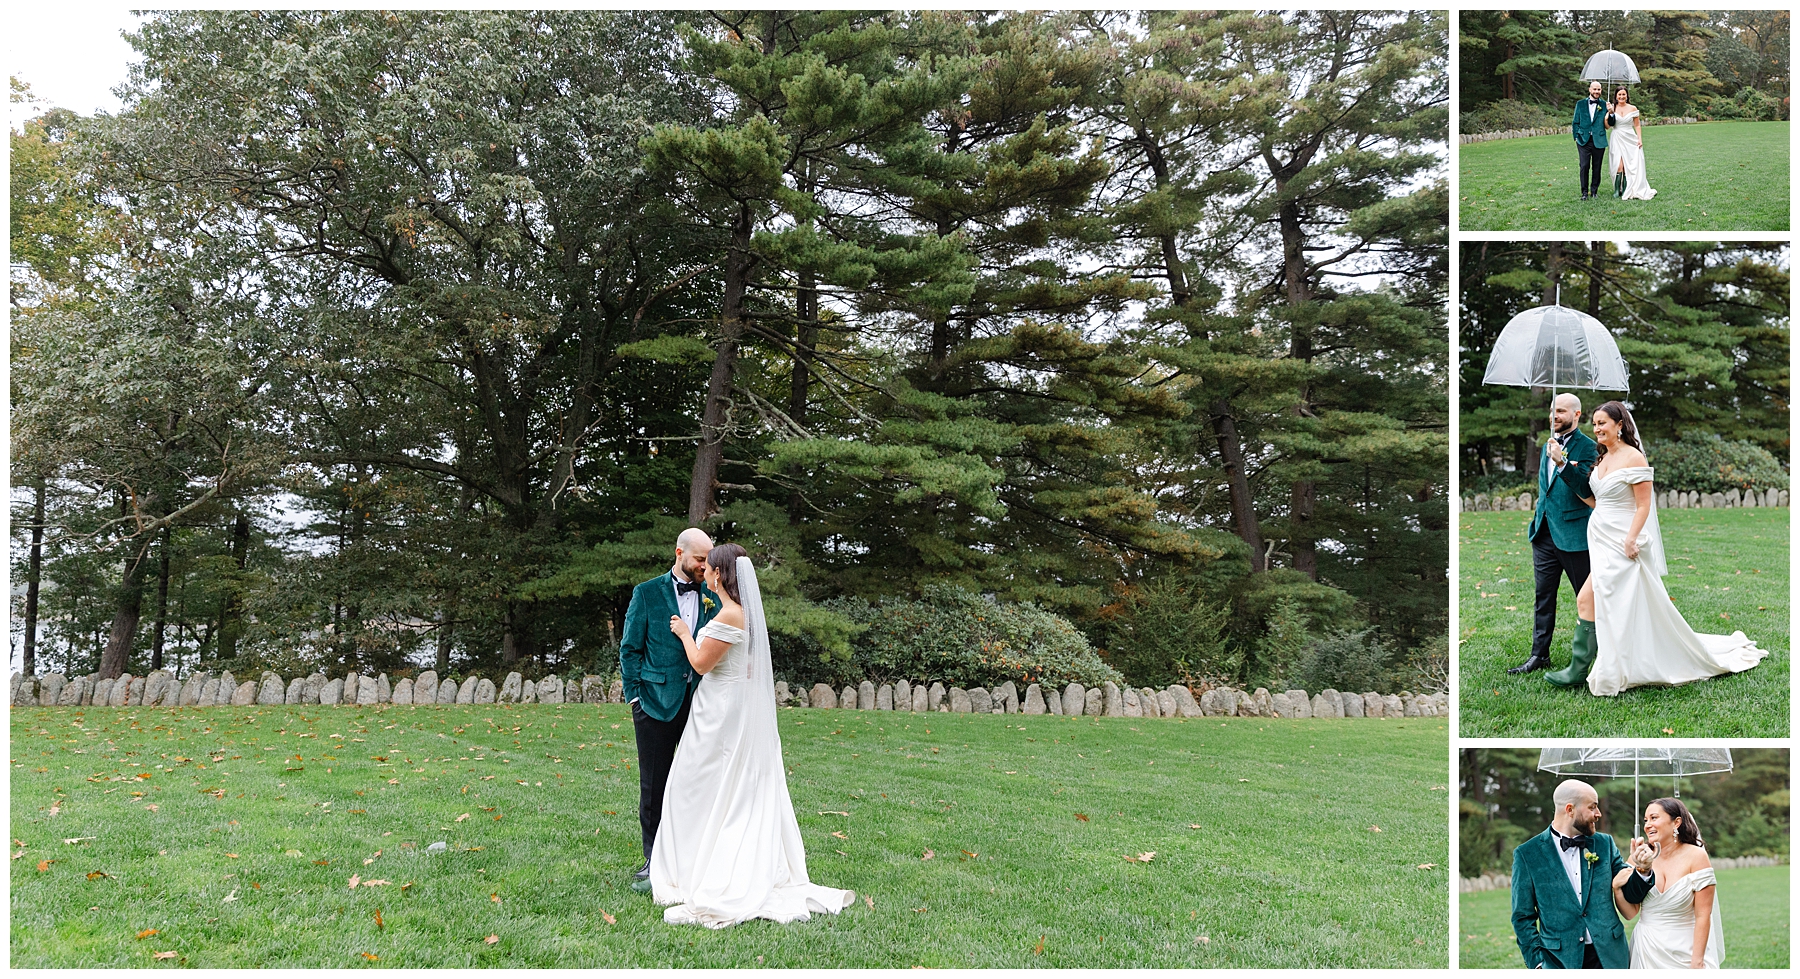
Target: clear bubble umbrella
1637, 762
1558, 348
1610, 66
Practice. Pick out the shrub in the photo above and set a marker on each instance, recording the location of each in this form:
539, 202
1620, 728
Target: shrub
952, 636
1511, 114
1165, 633
1710, 464
1344, 659
1279, 651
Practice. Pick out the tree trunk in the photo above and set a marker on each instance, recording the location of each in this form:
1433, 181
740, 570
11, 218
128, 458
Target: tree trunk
162, 602
1243, 509
509, 640
231, 609
127, 611
1302, 495
1596, 264
446, 623
703, 488
33, 576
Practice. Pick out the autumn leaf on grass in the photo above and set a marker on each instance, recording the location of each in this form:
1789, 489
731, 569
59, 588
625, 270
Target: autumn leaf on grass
1081, 816
839, 835
1427, 866
378, 925
609, 918
146, 933
494, 897
462, 817
232, 855
1193, 826
44, 865
152, 807
1142, 857
927, 855
1374, 829
230, 897
1040, 946
1668, 730
355, 879
492, 939
76, 839
869, 901
97, 874
376, 883
371, 956
166, 955
833, 812
967, 855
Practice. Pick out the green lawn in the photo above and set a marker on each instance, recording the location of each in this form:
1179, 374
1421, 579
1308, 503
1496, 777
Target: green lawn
1715, 176
234, 833
1753, 905
1728, 569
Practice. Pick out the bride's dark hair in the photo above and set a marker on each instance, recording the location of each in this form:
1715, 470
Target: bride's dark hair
723, 559
1627, 431
1689, 831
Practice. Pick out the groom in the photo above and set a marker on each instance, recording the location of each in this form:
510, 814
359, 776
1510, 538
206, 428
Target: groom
1558, 531
1563, 914
659, 681
1589, 130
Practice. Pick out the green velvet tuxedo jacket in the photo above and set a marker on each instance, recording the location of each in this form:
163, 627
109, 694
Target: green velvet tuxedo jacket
1549, 917
1559, 505
652, 661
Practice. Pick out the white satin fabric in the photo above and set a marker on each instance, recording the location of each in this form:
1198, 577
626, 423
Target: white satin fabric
1642, 638
1627, 147
729, 848
1664, 937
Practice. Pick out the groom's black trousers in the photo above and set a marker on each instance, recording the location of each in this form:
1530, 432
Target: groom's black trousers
1550, 565
1591, 159
1590, 959
656, 741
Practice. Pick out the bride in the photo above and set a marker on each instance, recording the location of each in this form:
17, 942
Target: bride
1681, 928
1629, 633
729, 848
1627, 150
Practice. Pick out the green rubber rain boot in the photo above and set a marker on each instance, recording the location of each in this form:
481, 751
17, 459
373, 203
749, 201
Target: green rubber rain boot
1619, 184
1581, 656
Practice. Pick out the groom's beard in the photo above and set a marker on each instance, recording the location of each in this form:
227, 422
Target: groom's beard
1586, 829
1563, 429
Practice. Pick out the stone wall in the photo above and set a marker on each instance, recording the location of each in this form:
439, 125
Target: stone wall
1665, 500
202, 689
1502, 882
1113, 701
1562, 130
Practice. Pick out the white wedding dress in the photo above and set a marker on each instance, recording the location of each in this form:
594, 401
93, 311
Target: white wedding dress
1641, 637
728, 848
1664, 936
1627, 147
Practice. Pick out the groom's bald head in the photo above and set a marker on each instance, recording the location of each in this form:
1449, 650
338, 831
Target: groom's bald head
1577, 807
691, 549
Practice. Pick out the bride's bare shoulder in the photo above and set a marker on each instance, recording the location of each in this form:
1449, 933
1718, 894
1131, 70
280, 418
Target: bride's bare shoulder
1629, 456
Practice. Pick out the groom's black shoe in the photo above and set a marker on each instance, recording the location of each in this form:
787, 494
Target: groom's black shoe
642, 873
1534, 663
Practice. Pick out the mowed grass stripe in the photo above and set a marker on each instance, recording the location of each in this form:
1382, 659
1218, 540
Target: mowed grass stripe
1715, 176
1753, 905
1728, 570
1286, 868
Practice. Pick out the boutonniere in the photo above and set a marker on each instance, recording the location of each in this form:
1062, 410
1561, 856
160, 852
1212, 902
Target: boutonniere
707, 603
1590, 856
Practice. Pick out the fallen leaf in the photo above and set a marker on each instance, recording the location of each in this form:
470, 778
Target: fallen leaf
922, 910
1243, 780
1427, 866
230, 897
1374, 829
1668, 730
870, 901
322, 863
372, 957
368, 860
232, 855
393, 781
494, 897
76, 839
1081, 816
609, 918
1040, 946
146, 933
166, 955
355, 879
255, 886
462, 817
839, 835
1202, 940
833, 812
492, 939
292, 853
1142, 857
378, 925
406, 885
1193, 826
44, 865
970, 855
927, 855
376, 883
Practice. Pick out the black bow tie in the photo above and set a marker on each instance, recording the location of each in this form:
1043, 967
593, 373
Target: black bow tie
1572, 842
1594, 101
683, 587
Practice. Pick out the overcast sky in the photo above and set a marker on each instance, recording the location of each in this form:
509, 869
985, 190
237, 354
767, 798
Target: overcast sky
70, 54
